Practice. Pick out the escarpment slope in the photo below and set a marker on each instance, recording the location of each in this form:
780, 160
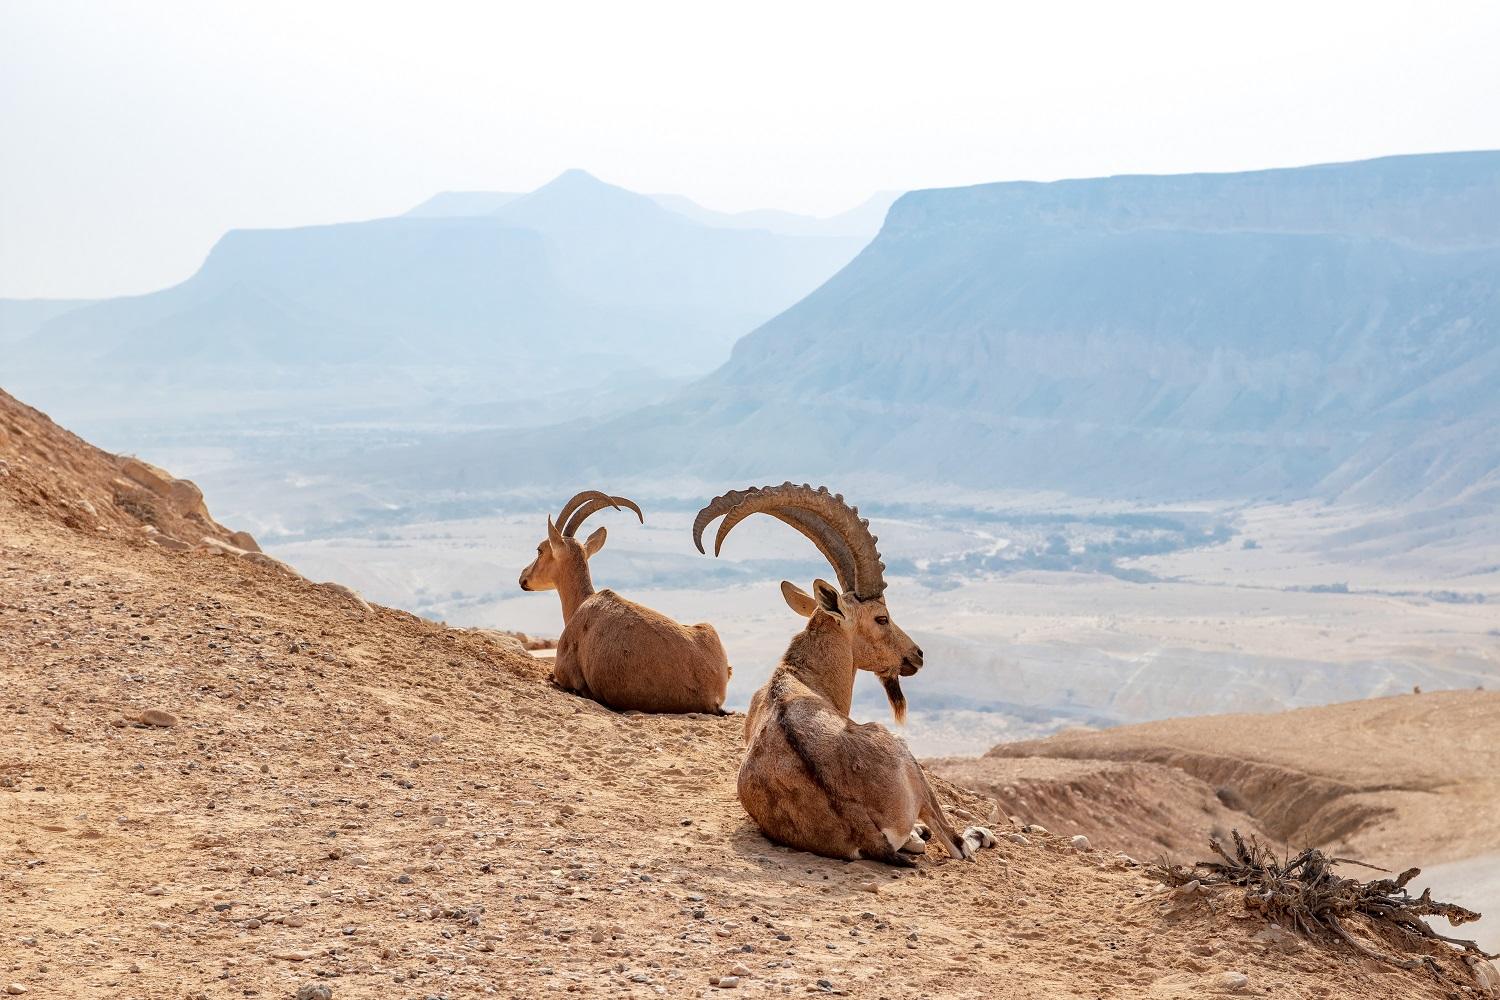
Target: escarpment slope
1412, 779
1144, 809
220, 780
1329, 330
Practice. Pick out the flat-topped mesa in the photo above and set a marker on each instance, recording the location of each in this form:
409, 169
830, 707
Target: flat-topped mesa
617, 652
812, 778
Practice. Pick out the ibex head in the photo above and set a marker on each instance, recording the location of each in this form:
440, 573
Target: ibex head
560, 552
878, 643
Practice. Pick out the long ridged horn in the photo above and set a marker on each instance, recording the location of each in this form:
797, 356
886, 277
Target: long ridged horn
597, 504
572, 505
830, 524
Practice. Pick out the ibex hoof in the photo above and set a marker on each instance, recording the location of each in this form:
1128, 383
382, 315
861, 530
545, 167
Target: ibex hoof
916, 843
977, 837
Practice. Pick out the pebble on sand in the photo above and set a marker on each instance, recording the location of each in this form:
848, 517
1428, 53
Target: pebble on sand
1079, 842
1233, 981
15, 989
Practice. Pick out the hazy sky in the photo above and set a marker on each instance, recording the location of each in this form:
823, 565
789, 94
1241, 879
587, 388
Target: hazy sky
132, 135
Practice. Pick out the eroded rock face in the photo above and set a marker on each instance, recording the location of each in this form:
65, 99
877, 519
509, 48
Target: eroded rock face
87, 489
184, 496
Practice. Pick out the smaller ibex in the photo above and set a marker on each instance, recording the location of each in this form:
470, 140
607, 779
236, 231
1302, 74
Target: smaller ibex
615, 651
812, 778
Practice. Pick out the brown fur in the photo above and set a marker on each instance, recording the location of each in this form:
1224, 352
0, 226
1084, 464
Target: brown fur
814, 779
620, 653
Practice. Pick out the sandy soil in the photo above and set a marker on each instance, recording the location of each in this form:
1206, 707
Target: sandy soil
1401, 782
1149, 811
1388, 778
354, 795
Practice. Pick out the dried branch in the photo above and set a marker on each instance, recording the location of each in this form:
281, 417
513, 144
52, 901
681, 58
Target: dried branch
1305, 893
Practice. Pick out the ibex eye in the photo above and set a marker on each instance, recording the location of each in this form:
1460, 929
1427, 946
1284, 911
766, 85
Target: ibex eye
882, 620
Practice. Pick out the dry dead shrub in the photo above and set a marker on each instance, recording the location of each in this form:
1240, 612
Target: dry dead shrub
1305, 892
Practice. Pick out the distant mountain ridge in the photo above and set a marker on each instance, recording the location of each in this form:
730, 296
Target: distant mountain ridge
1331, 329
863, 220
524, 284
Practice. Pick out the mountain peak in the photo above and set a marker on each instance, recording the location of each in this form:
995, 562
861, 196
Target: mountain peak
576, 197
575, 175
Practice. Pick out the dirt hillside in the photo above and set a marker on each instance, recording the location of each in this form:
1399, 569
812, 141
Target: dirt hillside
218, 779
1413, 779
1146, 810
61, 477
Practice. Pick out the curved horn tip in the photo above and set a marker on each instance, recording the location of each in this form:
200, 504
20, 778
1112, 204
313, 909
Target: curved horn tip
635, 508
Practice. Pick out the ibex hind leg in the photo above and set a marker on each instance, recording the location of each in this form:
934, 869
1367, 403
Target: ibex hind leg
931, 813
916, 842
888, 854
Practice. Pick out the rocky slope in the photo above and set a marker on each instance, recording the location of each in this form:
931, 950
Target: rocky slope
58, 476
219, 779
1146, 810
1413, 779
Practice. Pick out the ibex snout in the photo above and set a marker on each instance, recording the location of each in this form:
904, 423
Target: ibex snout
911, 663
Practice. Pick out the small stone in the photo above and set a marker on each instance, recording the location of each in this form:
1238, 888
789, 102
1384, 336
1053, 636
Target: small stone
358, 860
403, 879
293, 920
15, 989
1486, 974
315, 991
156, 890
728, 982
257, 870
1079, 842
869, 887
1233, 981
1034, 828
739, 970
156, 717
294, 956
1018, 838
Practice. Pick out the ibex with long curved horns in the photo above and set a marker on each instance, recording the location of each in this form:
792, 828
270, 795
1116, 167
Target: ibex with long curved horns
615, 651
812, 778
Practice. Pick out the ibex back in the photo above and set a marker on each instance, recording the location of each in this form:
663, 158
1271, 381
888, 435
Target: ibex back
615, 651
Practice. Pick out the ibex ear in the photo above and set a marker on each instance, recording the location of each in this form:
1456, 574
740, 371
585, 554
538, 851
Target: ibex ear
595, 543
828, 598
798, 599
554, 537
